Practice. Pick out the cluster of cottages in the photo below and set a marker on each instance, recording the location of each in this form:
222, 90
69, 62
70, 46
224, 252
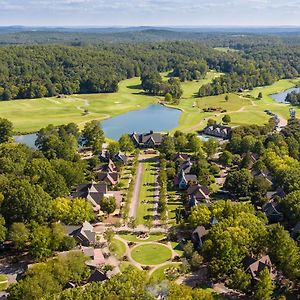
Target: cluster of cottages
104, 184
96, 249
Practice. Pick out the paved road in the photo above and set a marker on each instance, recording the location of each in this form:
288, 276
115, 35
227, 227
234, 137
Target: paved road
136, 191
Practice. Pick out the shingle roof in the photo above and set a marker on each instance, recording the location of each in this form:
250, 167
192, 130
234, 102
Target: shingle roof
146, 138
254, 267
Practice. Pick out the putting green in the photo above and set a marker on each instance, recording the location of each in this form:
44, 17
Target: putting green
151, 254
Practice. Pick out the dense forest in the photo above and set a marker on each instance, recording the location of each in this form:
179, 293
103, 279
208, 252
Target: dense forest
34, 71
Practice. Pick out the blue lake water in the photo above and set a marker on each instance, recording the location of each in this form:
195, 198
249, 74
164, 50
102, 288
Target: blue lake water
280, 97
28, 139
155, 117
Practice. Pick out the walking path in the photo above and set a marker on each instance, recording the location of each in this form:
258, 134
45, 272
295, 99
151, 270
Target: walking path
136, 191
137, 244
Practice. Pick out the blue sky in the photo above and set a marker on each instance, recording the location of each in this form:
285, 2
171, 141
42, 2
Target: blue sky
149, 12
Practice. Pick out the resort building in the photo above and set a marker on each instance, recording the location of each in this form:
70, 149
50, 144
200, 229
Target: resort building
147, 140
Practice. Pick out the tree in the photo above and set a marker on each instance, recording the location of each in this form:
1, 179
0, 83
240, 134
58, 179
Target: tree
200, 215
24, 202
211, 146
19, 234
41, 239
260, 187
74, 211
126, 143
6, 129
167, 146
196, 260
109, 234
287, 256
226, 158
113, 148
239, 183
291, 205
227, 99
93, 136
108, 205
188, 249
264, 287
168, 97
195, 144
3, 230
226, 119
260, 95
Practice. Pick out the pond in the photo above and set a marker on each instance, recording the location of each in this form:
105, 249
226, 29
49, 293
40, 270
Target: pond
28, 139
155, 117
280, 97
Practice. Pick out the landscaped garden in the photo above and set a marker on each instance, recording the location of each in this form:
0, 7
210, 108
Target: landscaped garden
151, 254
135, 239
170, 272
117, 247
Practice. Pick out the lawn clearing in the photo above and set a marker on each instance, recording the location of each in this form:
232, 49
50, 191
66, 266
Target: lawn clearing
176, 246
118, 248
3, 282
151, 254
173, 204
159, 273
145, 208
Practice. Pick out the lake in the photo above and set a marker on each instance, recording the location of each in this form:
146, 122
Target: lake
155, 117
280, 97
28, 139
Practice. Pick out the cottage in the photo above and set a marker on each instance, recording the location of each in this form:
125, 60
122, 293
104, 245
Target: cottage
198, 236
219, 131
184, 180
97, 276
108, 167
85, 234
121, 157
95, 255
197, 193
110, 178
253, 267
147, 140
272, 211
266, 175
180, 157
93, 192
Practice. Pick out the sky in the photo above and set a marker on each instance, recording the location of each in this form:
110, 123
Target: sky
105, 13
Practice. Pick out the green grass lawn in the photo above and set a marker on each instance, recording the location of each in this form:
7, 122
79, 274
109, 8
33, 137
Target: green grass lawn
173, 203
145, 210
133, 238
30, 115
118, 248
176, 246
151, 254
159, 273
3, 282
